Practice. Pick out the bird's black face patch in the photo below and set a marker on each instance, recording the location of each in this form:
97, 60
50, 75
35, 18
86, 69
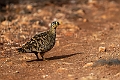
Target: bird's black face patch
57, 23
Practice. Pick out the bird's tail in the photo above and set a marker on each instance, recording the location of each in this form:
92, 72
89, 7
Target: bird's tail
21, 50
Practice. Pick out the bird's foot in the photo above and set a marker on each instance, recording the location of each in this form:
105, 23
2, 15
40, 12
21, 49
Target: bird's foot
37, 59
44, 59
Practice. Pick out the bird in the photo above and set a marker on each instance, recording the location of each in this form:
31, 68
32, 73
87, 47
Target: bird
41, 42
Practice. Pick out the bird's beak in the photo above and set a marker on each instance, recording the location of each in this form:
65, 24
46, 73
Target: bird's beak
60, 22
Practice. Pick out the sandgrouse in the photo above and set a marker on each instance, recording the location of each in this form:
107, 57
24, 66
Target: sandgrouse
41, 42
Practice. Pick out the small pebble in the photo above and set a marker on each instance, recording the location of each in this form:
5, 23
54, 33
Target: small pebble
44, 76
61, 70
92, 1
6, 23
16, 71
85, 20
70, 75
102, 49
81, 12
57, 43
29, 7
88, 65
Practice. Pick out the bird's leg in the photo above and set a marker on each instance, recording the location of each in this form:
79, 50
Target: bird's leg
42, 55
37, 55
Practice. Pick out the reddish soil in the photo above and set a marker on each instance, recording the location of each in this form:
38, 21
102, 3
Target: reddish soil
87, 44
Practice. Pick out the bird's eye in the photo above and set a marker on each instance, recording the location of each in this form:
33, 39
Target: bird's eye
53, 24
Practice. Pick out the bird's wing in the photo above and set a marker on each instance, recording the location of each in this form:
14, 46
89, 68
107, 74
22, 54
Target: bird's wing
36, 43
37, 36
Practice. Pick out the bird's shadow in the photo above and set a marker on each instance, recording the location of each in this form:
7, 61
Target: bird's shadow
55, 57
107, 62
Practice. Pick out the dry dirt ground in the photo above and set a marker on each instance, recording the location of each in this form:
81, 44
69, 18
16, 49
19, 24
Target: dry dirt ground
87, 44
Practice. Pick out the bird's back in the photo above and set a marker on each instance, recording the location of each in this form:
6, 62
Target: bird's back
41, 42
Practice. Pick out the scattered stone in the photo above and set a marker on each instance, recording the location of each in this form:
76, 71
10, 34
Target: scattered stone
85, 20
6, 23
103, 16
92, 1
16, 71
73, 1
22, 36
88, 65
67, 63
59, 70
102, 49
57, 43
70, 75
80, 11
44, 76
112, 45
29, 7
92, 78
118, 74
102, 43
88, 78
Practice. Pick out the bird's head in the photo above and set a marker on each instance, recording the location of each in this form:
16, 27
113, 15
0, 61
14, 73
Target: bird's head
54, 24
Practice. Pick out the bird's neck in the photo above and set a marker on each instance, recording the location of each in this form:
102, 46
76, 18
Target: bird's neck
52, 30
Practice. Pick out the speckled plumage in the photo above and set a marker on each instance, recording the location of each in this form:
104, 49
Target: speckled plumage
41, 42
